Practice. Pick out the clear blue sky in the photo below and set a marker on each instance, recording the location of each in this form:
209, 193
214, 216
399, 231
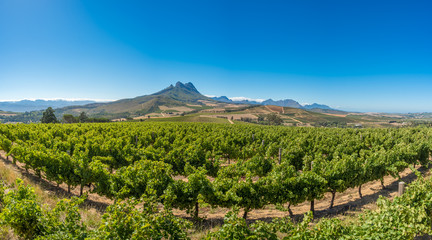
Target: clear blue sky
363, 55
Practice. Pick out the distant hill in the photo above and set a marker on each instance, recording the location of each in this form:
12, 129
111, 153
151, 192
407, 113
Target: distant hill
227, 100
328, 111
316, 105
35, 105
223, 99
281, 103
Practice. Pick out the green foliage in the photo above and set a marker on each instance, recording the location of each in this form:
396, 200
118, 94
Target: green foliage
29, 220
186, 194
405, 217
21, 212
259, 166
64, 221
234, 227
5, 144
128, 221
141, 178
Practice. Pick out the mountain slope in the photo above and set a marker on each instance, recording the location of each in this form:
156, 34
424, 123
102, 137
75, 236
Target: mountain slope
172, 96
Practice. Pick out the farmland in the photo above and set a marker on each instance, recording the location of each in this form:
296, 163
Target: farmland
193, 166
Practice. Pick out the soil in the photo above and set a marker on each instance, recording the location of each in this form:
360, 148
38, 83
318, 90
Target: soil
180, 109
336, 115
275, 109
93, 200
234, 116
346, 204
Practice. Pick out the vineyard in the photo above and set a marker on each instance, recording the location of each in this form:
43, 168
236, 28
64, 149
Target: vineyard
241, 167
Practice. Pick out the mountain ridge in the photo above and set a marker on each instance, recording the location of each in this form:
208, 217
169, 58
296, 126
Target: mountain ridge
178, 95
180, 98
281, 103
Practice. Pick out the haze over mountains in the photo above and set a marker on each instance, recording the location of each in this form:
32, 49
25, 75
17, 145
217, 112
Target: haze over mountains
175, 95
39, 104
183, 102
281, 103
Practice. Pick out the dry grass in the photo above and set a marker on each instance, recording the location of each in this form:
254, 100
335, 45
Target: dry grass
234, 116
180, 109
48, 195
7, 234
202, 233
336, 115
91, 217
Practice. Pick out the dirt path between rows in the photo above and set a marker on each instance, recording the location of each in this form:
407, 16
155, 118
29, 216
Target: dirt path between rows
346, 204
94, 201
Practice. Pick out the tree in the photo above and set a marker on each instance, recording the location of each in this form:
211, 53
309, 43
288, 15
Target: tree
83, 117
49, 116
125, 220
69, 118
274, 119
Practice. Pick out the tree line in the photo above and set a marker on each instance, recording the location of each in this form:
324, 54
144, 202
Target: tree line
48, 116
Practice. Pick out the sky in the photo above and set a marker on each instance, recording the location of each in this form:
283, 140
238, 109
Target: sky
354, 55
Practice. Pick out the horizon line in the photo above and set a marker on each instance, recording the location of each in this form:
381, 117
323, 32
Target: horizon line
58, 99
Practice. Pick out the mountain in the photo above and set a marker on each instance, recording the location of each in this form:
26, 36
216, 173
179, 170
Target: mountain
223, 99
281, 103
175, 100
181, 92
316, 105
172, 97
30, 105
